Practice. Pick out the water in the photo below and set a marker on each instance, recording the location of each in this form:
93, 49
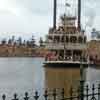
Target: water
93, 75
21, 74
28, 74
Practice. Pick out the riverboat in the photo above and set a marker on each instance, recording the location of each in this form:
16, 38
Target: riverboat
66, 43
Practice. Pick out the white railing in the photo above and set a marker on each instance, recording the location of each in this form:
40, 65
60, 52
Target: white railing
67, 61
67, 46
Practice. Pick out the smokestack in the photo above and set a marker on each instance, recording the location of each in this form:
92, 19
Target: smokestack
79, 15
54, 15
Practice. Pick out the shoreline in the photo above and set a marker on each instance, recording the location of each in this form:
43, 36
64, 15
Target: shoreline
22, 51
20, 57
25, 56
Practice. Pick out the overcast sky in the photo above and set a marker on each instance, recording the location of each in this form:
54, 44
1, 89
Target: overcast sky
24, 17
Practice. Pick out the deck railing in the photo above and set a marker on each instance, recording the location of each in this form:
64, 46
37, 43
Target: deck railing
67, 58
71, 46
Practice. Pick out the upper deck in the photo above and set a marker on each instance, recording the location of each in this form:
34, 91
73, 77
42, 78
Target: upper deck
66, 34
66, 41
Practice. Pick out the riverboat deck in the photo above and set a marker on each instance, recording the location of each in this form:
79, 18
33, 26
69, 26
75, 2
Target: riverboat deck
65, 63
71, 64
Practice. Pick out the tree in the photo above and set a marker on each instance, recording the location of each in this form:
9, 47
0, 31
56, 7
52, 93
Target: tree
41, 42
9, 41
24, 42
32, 42
3, 42
13, 39
19, 41
28, 43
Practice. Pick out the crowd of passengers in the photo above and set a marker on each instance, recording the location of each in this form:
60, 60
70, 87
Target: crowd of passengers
94, 59
56, 57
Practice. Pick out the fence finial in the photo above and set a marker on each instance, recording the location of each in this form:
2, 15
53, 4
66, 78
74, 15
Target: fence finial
36, 95
46, 94
3, 97
15, 97
26, 96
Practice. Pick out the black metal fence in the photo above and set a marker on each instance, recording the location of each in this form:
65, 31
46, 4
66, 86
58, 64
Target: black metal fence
88, 93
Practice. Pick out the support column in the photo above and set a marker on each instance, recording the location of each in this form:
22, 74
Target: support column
53, 38
72, 54
64, 46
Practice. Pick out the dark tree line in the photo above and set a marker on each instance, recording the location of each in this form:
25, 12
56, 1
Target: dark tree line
20, 42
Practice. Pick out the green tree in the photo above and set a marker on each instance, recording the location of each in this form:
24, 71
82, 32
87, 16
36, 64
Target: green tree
19, 41
9, 41
13, 39
24, 42
41, 42
4, 41
32, 42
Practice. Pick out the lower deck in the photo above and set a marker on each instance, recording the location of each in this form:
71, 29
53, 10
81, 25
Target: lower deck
65, 63
63, 56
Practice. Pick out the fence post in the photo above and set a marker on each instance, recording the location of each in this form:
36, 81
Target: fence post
36, 95
46, 95
71, 93
54, 94
98, 91
82, 79
15, 97
93, 88
3, 97
93, 92
62, 94
26, 96
87, 92
78, 93
82, 90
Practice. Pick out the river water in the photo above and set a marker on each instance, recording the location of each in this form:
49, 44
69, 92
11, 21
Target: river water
93, 75
21, 74
28, 74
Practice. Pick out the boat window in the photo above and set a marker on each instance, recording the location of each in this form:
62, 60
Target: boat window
56, 39
73, 39
85, 39
62, 39
67, 39
49, 37
80, 39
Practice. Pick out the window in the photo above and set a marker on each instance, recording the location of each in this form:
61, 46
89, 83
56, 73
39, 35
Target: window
73, 39
80, 39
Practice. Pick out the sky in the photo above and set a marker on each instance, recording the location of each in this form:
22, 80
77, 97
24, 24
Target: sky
34, 17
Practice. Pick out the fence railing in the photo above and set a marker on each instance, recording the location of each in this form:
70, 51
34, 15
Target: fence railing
90, 93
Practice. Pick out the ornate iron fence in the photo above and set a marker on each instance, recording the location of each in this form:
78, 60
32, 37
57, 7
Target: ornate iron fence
88, 93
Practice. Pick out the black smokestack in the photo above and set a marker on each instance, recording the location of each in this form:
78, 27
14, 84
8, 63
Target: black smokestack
54, 15
79, 15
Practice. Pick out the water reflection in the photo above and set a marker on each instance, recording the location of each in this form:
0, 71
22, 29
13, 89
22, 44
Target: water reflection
62, 77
